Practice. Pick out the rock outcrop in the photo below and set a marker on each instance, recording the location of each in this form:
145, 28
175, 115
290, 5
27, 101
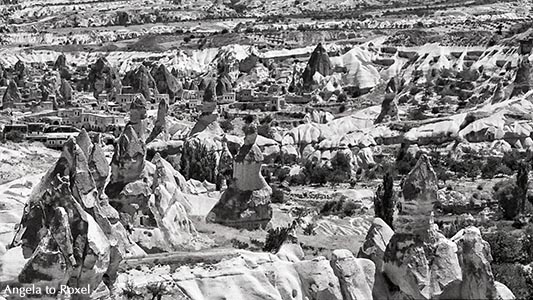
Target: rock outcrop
246, 202
20, 73
160, 125
249, 275
430, 266
475, 258
138, 108
11, 96
423, 268
420, 193
389, 106
69, 232
65, 92
61, 62
318, 62
127, 163
166, 83
356, 275
104, 77
374, 247
141, 81
523, 81
149, 197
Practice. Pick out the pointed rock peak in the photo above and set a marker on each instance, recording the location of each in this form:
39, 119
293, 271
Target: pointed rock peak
98, 165
157, 158
423, 162
68, 149
83, 181
139, 102
61, 62
319, 49
164, 70
19, 65
142, 69
129, 143
163, 106
12, 86
84, 141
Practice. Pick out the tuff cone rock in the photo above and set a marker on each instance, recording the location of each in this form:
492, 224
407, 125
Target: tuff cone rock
389, 106
66, 231
430, 266
373, 248
11, 96
160, 125
149, 198
420, 193
138, 108
103, 77
166, 82
141, 81
127, 163
318, 62
246, 202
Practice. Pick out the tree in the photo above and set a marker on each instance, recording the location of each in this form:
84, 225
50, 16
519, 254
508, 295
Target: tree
522, 183
384, 200
198, 162
341, 168
227, 126
506, 192
316, 173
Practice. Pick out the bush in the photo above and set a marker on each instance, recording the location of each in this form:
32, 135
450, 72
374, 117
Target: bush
15, 136
509, 247
507, 194
341, 168
197, 162
515, 278
239, 244
310, 229
277, 195
315, 173
276, 237
227, 126
341, 208
405, 161
298, 179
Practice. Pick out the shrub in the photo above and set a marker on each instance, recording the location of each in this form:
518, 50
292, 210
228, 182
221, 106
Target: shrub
276, 237
310, 229
509, 247
507, 194
341, 168
157, 289
131, 292
277, 195
515, 278
239, 244
341, 208
227, 126
197, 162
316, 173
265, 130
15, 136
298, 179
405, 161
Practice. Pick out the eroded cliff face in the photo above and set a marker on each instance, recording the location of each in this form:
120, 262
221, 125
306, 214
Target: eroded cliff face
251, 275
